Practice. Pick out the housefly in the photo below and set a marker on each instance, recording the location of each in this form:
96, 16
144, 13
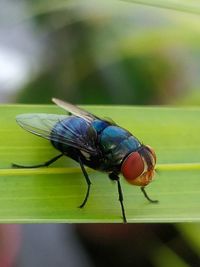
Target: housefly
94, 142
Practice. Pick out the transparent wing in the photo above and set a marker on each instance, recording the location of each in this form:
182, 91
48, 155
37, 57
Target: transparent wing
75, 110
43, 125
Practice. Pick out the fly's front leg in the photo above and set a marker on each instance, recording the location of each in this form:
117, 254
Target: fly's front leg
115, 177
45, 164
147, 197
87, 181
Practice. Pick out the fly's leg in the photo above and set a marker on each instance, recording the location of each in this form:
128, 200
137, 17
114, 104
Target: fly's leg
87, 181
146, 196
121, 200
115, 177
47, 163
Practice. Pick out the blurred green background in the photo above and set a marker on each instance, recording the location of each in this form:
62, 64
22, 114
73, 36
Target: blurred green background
101, 52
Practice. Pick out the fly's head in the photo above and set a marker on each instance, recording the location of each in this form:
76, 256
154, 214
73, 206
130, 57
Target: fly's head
138, 167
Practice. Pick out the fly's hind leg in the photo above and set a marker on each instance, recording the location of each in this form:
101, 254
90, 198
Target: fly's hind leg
87, 181
147, 197
45, 164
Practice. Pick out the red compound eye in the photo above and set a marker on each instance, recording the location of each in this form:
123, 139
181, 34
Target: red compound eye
132, 167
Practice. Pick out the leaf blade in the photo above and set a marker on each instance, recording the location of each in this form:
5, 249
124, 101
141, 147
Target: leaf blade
53, 194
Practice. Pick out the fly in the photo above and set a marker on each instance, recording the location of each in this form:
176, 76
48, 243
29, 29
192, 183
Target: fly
94, 142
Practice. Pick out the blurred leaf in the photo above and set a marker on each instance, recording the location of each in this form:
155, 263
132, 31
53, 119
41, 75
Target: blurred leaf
191, 232
53, 194
164, 257
39, 8
191, 6
179, 5
93, 42
191, 98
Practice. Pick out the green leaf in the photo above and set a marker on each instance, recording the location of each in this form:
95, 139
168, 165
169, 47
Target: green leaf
41, 7
191, 233
53, 194
183, 5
